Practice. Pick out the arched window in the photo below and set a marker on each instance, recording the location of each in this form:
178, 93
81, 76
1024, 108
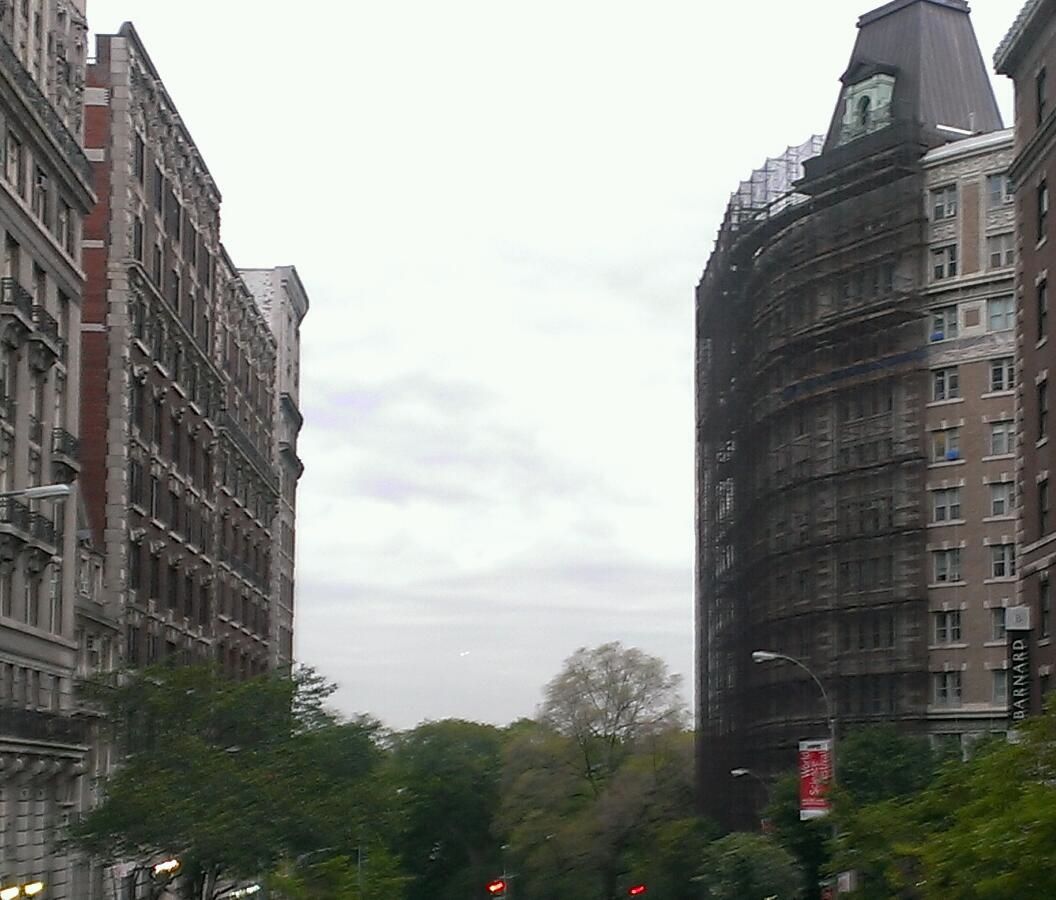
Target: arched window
865, 111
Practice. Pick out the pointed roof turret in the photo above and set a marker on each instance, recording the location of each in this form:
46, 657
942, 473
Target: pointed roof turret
915, 61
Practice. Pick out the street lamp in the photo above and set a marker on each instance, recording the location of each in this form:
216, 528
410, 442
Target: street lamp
763, 656
40, 492
748, 773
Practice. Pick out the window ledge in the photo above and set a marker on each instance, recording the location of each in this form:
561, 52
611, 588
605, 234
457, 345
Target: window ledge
946, 522
958, 645
946, 463
996, 643
948, 402
997, 456
1042, 242
1041, 442
1000, 579
947, 584
1009, 393
1008, 517
1041, 342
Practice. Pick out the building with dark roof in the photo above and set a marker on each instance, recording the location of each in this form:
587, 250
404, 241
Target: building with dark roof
818, 447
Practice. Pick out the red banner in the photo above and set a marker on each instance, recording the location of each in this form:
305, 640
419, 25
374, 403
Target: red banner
815, 775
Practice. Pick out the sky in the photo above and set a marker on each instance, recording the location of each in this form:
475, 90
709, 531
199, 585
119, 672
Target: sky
500, 211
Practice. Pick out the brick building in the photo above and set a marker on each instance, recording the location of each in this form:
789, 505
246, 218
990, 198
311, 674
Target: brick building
180, 474
853, 344
1028, 56
45, 193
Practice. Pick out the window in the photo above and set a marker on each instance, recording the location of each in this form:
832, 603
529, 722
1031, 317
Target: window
944, 323
1001, 248
1044, 609
1000, 677
15, 163
1002, 374
137, 239
1043, 208
947, 688
944, 262
944, 202
997, 623
139, 158
945, 445
159, 189
64, 225
998, 190
947, 627
1002, 498
945, 384
135, 566
1001, 313
1040, 95
947, 565
1043, 409
40, 194
155, 497
158, 427
1044, 520
1002, 437
1002, 560
156, 265
1043, 308
946, 505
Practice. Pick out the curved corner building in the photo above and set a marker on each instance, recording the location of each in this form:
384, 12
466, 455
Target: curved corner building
843, 342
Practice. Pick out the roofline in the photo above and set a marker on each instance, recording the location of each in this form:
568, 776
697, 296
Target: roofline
970, 146
128, 31
896, 5
297, 283
1010, 43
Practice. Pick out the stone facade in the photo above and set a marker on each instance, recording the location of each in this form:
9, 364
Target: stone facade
283, 300
45, 193
970, 433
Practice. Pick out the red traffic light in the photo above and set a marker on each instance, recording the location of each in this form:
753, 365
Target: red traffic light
637, 890
497, 888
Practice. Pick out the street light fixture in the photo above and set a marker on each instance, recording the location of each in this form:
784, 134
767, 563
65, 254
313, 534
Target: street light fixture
763, 656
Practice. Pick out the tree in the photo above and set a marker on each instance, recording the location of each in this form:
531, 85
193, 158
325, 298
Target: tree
749, 867
608, 700
981, 829
879, 762
445, 777
588, 787
230, 778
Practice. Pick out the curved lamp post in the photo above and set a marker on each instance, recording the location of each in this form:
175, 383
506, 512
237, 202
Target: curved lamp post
763, 656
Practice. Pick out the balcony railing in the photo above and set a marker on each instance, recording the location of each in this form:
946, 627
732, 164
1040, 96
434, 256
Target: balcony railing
36, 430
46, 323
15, 514
42, 528
12, 294
38, 725
64, 443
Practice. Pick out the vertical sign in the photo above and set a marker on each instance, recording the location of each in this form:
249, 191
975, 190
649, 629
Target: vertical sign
1017, 626
815, 775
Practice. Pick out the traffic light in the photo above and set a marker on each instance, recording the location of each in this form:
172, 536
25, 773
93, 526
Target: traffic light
637, 890
497, 888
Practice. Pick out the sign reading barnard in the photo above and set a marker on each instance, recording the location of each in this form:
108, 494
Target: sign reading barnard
1017, 624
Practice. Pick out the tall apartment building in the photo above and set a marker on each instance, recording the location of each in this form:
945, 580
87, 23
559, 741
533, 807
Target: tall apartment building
1028, 56
842, 301
281, 296
179, 376
45, 193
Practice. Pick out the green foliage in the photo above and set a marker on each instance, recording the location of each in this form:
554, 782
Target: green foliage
446, 776
231, 778
806, 841
982, 830
749, 867
591, 792
879, 762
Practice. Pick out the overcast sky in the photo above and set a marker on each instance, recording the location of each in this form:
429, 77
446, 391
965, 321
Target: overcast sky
500, 211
